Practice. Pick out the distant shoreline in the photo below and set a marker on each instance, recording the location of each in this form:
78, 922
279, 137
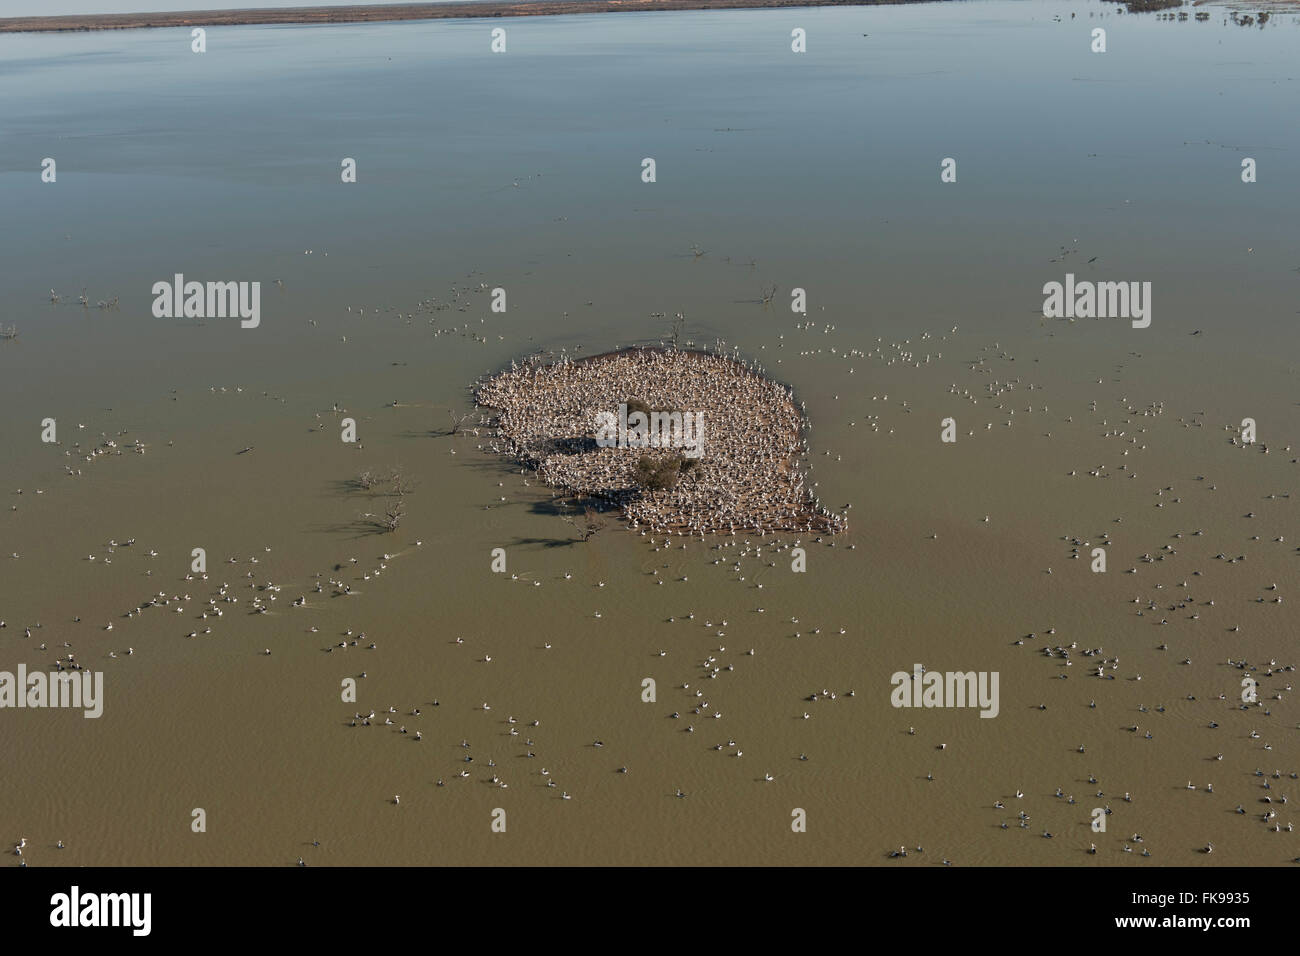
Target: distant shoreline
394, 12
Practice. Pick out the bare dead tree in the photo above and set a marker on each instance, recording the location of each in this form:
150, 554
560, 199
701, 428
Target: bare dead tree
588, 524
458, 421
394, 515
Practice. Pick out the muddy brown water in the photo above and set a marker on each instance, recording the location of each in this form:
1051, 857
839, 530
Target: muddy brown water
892, 262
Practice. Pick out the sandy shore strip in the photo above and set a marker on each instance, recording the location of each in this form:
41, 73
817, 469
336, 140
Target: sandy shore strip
396, 11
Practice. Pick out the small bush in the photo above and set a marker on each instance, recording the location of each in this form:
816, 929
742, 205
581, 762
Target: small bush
657, 474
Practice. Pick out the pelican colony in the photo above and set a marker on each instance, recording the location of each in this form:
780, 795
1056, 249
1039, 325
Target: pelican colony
549, 418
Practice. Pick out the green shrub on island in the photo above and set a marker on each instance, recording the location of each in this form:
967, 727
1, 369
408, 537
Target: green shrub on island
661, 474
657, 474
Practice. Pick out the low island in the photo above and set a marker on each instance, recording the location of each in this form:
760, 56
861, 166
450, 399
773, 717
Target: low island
682, 441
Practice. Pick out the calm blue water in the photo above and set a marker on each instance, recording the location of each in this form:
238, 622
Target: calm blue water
820, 169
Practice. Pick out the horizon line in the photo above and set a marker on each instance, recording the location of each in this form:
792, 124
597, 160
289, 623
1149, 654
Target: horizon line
393, 12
